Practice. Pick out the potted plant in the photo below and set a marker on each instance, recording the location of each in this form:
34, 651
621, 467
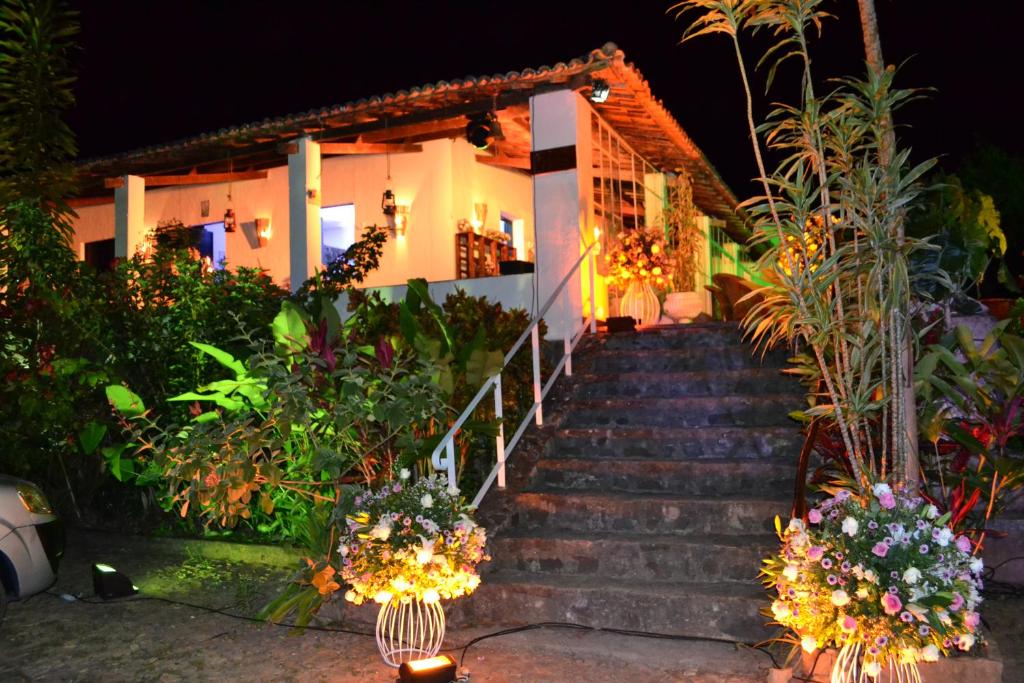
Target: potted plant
407, 546
636, 262
881, 577
686, 241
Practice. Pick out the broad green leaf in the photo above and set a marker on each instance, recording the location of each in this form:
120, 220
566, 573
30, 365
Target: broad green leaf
91, 436
222, 357
124, 400
289, 329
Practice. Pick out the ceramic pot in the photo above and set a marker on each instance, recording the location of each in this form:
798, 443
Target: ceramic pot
641, 303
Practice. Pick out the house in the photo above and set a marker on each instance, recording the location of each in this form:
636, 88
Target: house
544, 160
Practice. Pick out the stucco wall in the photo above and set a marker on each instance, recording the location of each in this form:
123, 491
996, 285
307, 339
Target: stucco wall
440, 184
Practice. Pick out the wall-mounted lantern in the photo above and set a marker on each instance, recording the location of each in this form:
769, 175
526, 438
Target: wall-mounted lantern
263, 231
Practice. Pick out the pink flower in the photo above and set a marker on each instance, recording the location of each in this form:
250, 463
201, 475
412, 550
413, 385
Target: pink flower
891, 603
958, 602
972, 619
887, 500
880, 549
848, 624
963, 544
815, 553
814, 516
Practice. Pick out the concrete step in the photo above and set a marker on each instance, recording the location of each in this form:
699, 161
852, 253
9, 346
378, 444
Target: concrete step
643, 513
711, 477
688, 359
635, 557
674, 337
680, 384
676, 443
708, 610
690, 411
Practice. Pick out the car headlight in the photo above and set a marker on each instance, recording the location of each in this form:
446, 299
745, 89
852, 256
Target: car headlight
34, 500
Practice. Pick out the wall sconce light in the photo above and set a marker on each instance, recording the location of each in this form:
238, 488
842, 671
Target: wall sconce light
401, 219
229, 220
263, 231
479, 216
599, 90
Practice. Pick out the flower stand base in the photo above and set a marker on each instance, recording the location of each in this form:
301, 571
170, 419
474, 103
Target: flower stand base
641, 303
409, 630
976, 669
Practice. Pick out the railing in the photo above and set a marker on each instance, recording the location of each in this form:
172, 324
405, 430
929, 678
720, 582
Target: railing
504, 450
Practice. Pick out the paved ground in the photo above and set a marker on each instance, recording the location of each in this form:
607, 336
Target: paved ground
50, 639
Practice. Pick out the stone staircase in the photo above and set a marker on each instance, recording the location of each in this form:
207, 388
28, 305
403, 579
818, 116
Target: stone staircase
646, 501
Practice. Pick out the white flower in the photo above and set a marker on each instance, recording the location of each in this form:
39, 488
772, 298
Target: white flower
430, 526
350, 596
840, 598
931, 512
930, 653
780, 609
850, 527
862, 593
404, 474
880, 490
790, 572
965, 642
872, 669
430, 596
795, 524
809, 643
912, 575
425, 553
870, 576
382, 529
977, 564
944, 537
453, 490
343, 549
427, 501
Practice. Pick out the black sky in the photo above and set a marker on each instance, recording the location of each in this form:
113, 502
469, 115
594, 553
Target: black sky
153, 72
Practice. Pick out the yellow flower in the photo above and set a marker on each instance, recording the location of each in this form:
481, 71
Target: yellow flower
656, 270
655, 248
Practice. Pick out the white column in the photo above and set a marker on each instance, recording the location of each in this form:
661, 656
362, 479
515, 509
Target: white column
655, 188
304, 235
562, 202
129, 216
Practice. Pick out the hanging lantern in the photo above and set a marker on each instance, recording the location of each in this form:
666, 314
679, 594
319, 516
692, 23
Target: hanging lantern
387, 203
229, 220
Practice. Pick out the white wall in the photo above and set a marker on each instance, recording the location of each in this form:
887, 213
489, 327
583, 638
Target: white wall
440, 184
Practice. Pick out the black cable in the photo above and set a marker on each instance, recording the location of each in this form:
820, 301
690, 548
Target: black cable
212, 610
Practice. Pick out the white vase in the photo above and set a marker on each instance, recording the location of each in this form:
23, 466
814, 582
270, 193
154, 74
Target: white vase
408, 630
640, 303
683, 306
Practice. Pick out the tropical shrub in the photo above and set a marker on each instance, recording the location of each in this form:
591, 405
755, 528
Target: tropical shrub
880, 576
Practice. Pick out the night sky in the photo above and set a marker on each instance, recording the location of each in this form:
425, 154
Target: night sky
153, 72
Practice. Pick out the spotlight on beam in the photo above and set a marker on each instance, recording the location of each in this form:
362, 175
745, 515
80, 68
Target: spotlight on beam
108, 583
434, 670
599, 90
483, 129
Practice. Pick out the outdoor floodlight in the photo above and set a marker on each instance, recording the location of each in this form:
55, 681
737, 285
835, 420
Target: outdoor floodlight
440, 669
483, 129
599, 90
108, 583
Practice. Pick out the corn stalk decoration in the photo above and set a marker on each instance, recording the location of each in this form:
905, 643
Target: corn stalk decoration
830, 217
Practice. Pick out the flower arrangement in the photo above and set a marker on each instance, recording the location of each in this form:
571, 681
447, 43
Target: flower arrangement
882, 577
638, 256
411, 541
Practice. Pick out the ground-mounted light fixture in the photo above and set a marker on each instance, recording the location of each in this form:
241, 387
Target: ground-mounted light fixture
108, 583
483, 129
229, 220
441, 669
599, 90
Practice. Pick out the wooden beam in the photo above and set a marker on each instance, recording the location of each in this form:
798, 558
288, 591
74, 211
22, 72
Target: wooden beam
517, 163
189, 179
340, 148
439, 127
80, 202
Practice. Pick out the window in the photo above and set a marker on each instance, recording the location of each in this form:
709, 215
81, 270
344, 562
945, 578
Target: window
211, 244
100, 254
337, 231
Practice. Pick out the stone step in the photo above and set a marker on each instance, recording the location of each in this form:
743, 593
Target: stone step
643, 513
711, 477
635, 557
679, 384
706, 610
674, 337
690, 411
734, 357
677, 443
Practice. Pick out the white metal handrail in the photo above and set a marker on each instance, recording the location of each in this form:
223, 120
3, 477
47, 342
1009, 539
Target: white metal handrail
540, 392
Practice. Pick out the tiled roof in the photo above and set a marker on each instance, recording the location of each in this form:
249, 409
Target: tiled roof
631, 109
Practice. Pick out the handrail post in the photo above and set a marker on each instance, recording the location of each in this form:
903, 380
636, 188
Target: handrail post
567, 350
593, 300
499, 440
535, 345
452, 481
